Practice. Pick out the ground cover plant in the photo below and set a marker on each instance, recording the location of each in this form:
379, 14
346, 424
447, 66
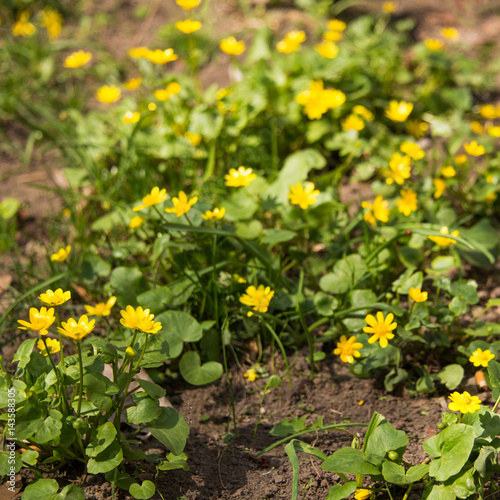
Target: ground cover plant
207, 227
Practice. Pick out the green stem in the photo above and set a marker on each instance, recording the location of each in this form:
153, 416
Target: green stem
80, 363
61, 353
495, 406
137, 365
408, 492
61, 391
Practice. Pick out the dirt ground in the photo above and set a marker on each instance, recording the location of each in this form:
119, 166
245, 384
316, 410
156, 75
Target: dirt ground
233, 471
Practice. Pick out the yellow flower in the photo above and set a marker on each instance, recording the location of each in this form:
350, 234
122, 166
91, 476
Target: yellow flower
303, 196
101, 309
408, 202
398, 111
50, 298
362, 494
490, 197
474, 149
139, 319
171, 89
291, 42
238, 278
399, 169
138, 52
187, 26
378, 210
433, 44
257, 298
477, 127
159, 56
336, 25
365, 113
188, 4
464, 403
348, 349
481, 358
232, 46
417, 128
152, 106
221, 93
488, 111
77, 330
442, 241
241, 177
381, 328
136, 222
156, 196
52, 22
460, 159
194, 139
251, 375
332, 36
53, 346
389, 7
133, 83
130, 353
109, 94
448, 171
317, 100
131, 117
61, 255
23, 27
450, 33
413, 150
77, 59
440, 186
181, 204
327, 49
40, 321
417, 295
494, 131
215, 214
353, 122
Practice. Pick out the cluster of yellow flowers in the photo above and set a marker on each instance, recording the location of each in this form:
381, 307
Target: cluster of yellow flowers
41, 320
291, 42
50, 19
317, 100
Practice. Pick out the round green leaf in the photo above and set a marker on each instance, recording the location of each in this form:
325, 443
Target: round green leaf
41, 489
197, 374
142, 492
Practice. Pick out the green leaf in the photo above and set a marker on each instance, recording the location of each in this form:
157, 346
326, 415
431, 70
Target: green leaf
107, 460
395, 377
250, 230
451, 376
101, 439
487, 462
156, 300
128, 283
5, 466
483, 236
288, 427
144, 412
70, 492
180, 325
99, 389
350, 461
425, 384
49, 429
174, 462
485, 423
442, 263
196, 373
463, 486
9, 208
483, 329
386, 438
142, 492
170, 429
341, 491
413, 280
240, 206
93, 266
23, 353
295, 169
395, 473
29, 457
451, 449
41, 490
325, 304
494, 373
438, 492
273, 236
153, 390
345, 275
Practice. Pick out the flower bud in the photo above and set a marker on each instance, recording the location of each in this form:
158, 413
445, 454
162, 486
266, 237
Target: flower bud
130, 353
393, 455
77, 423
